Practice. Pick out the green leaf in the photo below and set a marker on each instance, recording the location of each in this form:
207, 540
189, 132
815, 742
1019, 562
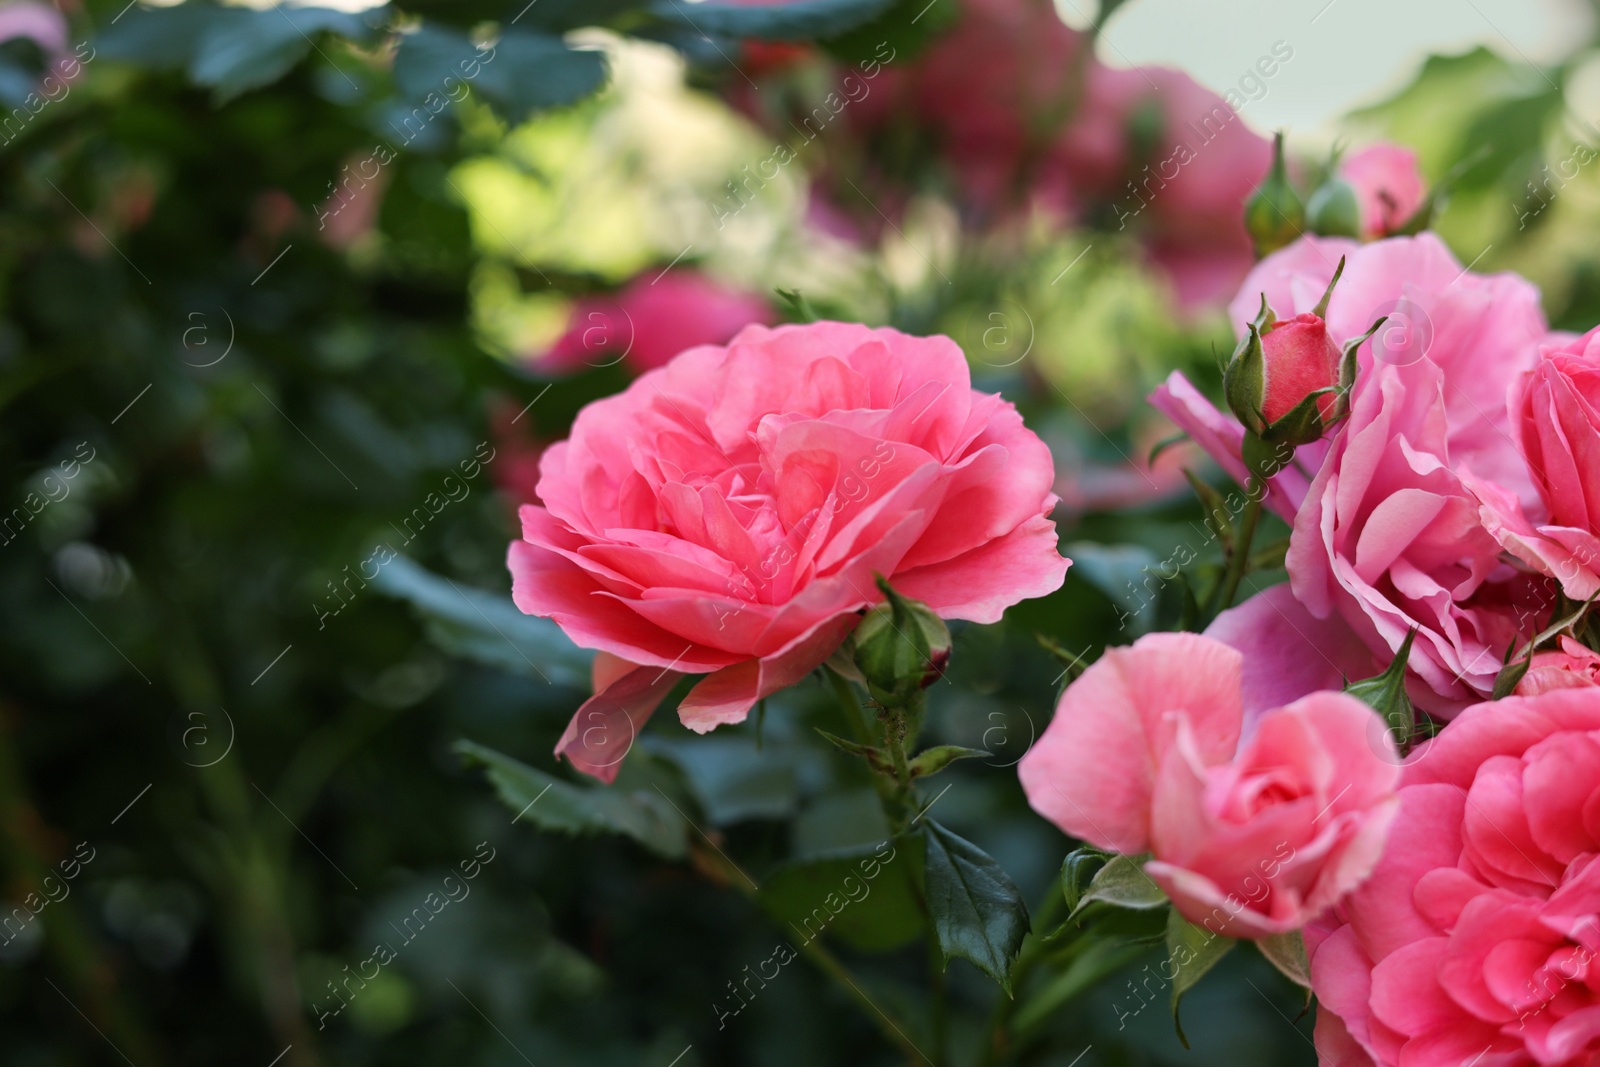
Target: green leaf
429, 56
934, 760
486, 627
157, 37
1287, 952
978, 913
865, 897
547, 801
1191, 952
1122, 883
797, 306
802, 20
240, 49
732, 779
532, 71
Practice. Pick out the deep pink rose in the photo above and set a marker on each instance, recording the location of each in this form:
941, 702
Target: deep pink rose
1388, 186
1571, 666
1386, 515
1475, 939
726, 515
1555, 420
1250, 839
652, 319
1298, 358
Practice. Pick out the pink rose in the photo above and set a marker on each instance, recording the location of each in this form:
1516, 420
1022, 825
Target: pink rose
1555, 420
726, 514
652, 319
1474, 941
1572, 666
1388, 186
1387, 533
1249, 839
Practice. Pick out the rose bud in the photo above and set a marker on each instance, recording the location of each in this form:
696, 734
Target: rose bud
1287, 381
901, 647
1333, 210
1274, 214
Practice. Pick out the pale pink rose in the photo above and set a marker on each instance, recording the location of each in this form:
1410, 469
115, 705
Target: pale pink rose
1555, 420
1388, 534
1475, 939
1144, 755
1388, 186
727, 513
1572, 666
652, 319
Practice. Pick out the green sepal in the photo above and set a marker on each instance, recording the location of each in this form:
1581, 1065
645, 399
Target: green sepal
1244, 381
1321, 310
1303, 423
1386, 694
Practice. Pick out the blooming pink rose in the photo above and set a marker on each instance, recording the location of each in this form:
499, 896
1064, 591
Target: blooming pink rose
1387, 533
726, 514
1247, 839
1555, 420
1388, 186
652, 319
1572, 666
1475, 939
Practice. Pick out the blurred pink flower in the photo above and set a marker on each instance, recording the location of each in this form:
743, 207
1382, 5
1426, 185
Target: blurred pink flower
1388, 186
1572, 666
650, 320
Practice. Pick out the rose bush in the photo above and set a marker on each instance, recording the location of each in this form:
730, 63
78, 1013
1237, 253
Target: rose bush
727, 513
1475, 939
1145, 754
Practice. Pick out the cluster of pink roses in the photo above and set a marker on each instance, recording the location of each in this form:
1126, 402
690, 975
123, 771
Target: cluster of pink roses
1457, 495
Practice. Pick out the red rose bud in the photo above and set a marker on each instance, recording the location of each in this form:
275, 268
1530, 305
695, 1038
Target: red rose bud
1298, 359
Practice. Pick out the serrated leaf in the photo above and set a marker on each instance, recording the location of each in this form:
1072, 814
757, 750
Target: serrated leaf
865, 897
936, 759
1287, 952
486, 627
1122, 883
547, 801
978, 912
1191, 952
801, 20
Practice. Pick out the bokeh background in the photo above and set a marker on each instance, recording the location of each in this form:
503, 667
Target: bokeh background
280, 345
